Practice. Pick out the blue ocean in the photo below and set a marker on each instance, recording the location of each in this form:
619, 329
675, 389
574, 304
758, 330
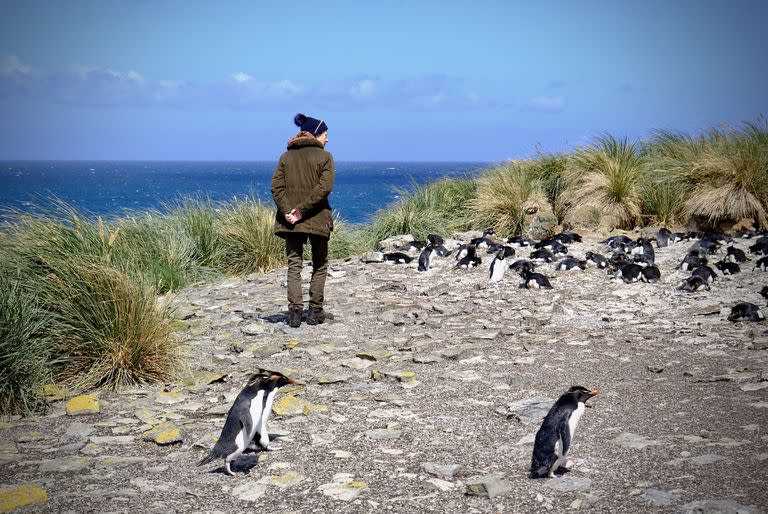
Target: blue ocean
114, 189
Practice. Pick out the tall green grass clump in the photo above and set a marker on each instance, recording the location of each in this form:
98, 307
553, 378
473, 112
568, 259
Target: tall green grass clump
199, 218
506, 195
246, 234
725, 171
439, 207
157, 248
27, 354
607, 175
107, 326
550, 170
663, 200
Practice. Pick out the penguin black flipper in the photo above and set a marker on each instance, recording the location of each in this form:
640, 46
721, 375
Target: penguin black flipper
564, 431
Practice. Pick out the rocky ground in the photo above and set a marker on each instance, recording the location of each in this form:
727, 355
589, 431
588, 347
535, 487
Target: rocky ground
424, 388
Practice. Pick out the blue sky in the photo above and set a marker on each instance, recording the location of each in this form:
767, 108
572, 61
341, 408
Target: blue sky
422, 80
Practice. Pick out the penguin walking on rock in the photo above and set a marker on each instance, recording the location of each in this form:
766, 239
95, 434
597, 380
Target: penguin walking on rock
500, 264
425, 259
554, 438
246, 424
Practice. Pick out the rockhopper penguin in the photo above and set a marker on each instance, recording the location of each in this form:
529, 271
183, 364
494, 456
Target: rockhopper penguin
554, 438
246, 424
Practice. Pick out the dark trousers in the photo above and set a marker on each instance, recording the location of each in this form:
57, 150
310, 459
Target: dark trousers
294, 248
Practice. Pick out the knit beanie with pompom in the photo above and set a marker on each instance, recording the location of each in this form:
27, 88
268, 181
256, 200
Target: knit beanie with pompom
311, 125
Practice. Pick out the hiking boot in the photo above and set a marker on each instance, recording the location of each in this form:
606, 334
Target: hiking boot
294, 316
316, 316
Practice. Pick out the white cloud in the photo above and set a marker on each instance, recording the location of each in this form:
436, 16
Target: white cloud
135, 76
241, 77
362, 89
12, 65
547, 103
84, 85
286, 87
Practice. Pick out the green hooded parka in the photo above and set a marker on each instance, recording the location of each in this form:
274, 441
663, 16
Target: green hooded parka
303, 180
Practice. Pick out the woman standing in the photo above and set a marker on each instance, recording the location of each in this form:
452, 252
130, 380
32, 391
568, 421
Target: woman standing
300, 187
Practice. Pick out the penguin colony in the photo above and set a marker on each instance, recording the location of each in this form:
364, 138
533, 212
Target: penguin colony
623, 258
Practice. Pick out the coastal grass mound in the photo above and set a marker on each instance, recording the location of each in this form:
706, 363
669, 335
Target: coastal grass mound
79, 293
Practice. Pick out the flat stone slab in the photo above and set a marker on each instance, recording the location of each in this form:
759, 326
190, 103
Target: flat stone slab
660, 498
530, 410
13, 498
383, 434
441, 470
568, 484
717, 507
84, 404
491, 485
634, 441
343, 487
249, 491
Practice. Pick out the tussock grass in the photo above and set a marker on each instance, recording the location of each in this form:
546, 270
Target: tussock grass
506, 194
107, 326
663, 200
724, 171
436, 208
199, 219
27, 354
607, 175
550, 170
246, 232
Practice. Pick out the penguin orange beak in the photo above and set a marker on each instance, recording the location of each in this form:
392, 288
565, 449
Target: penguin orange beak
594, 392
289, 381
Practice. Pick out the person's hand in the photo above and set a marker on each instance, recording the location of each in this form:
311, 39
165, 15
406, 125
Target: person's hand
293, 217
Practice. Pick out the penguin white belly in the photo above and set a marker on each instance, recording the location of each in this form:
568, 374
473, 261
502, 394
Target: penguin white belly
497, 270
244, 437
264, 439
573, 421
